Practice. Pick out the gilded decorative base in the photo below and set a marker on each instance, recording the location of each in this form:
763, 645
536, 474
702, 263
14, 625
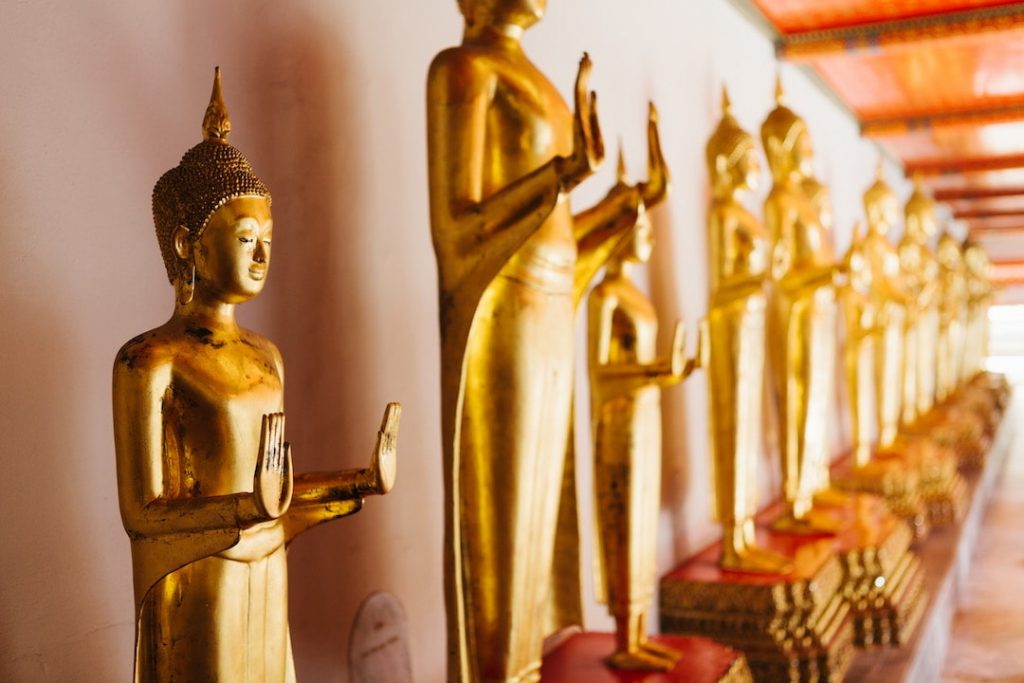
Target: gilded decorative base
889, 476
580, 659
883, 578
941, 487
795, 627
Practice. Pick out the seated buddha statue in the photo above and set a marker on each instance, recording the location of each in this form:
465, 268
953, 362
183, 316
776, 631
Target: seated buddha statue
734, 350
801, 320
204, 474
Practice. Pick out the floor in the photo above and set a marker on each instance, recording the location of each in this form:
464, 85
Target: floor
987, 642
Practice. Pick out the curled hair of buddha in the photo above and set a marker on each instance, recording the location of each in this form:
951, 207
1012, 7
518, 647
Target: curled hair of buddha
210, 175
729, 140
782, 123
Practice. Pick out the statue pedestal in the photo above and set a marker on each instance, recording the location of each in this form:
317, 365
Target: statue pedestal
884, 581
890, 477
580, 659
793, 627
937, 467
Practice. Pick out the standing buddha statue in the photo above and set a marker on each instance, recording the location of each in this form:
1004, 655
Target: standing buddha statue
930, 442
952, 305
504, 153
626, 377
204, 475
920, 271
801, 317
734, 351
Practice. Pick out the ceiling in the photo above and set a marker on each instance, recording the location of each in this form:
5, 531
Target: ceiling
939, 84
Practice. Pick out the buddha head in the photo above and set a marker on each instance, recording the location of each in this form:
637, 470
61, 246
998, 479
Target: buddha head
920, 214
786, 141
731, 155
880, 204
640, 243
522, 13
212, 216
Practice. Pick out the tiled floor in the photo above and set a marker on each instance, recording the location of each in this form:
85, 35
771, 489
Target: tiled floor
987, 643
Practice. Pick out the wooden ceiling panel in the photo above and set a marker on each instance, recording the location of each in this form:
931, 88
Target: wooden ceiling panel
988, 205
960, 141
992, 180
975, 72
793, 16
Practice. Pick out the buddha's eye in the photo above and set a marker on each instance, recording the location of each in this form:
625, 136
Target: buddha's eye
246, 240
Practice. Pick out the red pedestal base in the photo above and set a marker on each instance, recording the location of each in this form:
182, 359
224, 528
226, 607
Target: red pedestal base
580, 659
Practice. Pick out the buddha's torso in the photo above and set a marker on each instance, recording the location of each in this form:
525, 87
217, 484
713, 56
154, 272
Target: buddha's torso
528, 123
221, 386
800, 232
919, 268
739, 242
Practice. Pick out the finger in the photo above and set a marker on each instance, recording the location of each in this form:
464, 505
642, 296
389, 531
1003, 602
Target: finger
281, 443
264, 436
275, 443
582, 76
594, 130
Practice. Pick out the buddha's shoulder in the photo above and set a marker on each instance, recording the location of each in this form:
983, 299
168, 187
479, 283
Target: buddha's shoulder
461, 70
145, 353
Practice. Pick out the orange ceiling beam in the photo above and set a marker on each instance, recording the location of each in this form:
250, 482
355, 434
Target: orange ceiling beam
954, 194
934, 167
987, 213
869, 38
882, 127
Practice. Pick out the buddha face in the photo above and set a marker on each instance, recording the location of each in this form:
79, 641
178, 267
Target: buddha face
502, 12
747, 172
232, 256
803, 154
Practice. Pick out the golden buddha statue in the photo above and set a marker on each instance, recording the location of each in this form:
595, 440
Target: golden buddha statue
886, 299
801, 320
504, 152
204, 474
952, 308
734, 353
932, 436
626, 377
920, 271
979, 295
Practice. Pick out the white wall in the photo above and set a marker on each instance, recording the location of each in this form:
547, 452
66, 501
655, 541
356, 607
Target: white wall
327, 98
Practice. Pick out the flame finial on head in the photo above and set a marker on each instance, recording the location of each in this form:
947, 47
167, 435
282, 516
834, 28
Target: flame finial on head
216, 124
726, 102
780, 95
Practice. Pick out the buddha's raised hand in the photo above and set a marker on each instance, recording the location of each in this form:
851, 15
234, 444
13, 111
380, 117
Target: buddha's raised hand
272, 482
656, 187
383, 464
588, 145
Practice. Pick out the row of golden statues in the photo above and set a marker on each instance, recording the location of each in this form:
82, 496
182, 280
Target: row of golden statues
205, 479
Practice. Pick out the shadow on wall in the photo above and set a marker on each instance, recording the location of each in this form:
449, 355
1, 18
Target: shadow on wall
319, 309
676, 457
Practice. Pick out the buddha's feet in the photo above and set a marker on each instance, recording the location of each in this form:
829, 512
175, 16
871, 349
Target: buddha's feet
831, 497
815, 522
640, 660
659, 650
756, 560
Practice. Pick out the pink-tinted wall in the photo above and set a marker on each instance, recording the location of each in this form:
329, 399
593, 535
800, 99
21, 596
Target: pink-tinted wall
100, 97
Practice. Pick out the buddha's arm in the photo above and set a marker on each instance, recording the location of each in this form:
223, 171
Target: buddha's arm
601, 229
322, 496
141, 462
476, 235
729, 283
617, 379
